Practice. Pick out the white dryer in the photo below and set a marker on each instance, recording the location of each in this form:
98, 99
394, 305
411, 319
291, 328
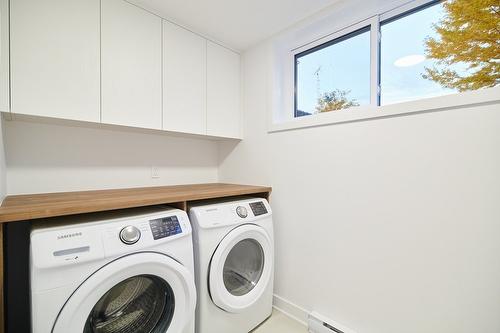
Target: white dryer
234, 264
128, 271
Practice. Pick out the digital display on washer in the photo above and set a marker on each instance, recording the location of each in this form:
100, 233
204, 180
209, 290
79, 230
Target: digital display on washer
164, 227
258, 208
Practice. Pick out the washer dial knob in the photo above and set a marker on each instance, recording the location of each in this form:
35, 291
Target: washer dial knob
241, 211
130, 235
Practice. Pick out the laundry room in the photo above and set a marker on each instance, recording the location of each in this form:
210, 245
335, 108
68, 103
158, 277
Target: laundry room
265, 166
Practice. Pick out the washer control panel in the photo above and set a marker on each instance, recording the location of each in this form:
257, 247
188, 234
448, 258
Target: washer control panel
165, 227
130, 235
241, 211
258, 208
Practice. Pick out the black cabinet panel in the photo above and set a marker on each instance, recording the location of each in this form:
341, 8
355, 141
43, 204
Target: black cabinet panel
17, 285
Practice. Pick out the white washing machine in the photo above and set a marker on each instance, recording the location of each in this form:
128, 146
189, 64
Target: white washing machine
127, 271
234, 264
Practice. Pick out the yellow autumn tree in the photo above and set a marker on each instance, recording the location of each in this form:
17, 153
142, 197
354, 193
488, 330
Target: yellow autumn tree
335, 100
469, 34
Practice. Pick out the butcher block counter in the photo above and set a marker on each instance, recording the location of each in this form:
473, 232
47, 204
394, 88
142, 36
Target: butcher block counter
22, 208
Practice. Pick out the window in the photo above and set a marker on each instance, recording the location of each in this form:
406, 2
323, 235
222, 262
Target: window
334, 75
421, 49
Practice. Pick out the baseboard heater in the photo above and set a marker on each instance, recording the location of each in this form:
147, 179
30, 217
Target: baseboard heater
317, 323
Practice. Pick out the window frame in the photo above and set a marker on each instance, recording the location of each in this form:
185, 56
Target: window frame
282, 105
330, 42
391, 16
369, 24
406, 9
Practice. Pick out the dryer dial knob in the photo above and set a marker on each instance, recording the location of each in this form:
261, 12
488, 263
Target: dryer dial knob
241, 211
130, 235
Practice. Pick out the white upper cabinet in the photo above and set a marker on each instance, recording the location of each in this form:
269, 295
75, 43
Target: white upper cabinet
112, 62
131, 65
184, 80
4, 55
55, 58
223, 92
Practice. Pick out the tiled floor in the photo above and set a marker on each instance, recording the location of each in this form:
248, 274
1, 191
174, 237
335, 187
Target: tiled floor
280, 323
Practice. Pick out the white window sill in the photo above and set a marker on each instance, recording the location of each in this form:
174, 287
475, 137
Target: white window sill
361, 113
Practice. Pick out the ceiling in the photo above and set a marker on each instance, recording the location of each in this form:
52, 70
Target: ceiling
237, 23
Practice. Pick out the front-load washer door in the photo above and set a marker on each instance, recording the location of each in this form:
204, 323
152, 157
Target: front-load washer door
241, 268
140, 293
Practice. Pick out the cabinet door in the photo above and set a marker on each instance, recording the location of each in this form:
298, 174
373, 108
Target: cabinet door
55, 58
4, 56
184, 80
223, 92
131, 65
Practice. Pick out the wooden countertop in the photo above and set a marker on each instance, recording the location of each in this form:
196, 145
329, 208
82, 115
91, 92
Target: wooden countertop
33, 206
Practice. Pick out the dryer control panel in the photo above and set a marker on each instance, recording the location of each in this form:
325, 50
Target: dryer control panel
258, 208
230, 213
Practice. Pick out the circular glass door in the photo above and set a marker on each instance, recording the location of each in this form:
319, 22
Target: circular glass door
141, 292
243, 267
140, 304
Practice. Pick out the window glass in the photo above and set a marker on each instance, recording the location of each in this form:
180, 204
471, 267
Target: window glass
333, 76
448, 47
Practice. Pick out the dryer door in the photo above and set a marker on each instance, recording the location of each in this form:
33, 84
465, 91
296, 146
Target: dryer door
241, 268
139, 293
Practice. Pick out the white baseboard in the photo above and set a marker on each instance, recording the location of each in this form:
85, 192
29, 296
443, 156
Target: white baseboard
290, 309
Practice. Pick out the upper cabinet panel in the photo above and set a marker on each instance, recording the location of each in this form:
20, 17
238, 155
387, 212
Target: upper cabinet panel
4, 56
55, 58
131, 65
223, 92
112, 62
184, 80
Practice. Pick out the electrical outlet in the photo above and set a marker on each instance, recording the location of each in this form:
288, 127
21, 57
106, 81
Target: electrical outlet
155, 172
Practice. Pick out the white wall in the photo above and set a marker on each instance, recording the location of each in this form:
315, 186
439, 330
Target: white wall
386, 226
49, 158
